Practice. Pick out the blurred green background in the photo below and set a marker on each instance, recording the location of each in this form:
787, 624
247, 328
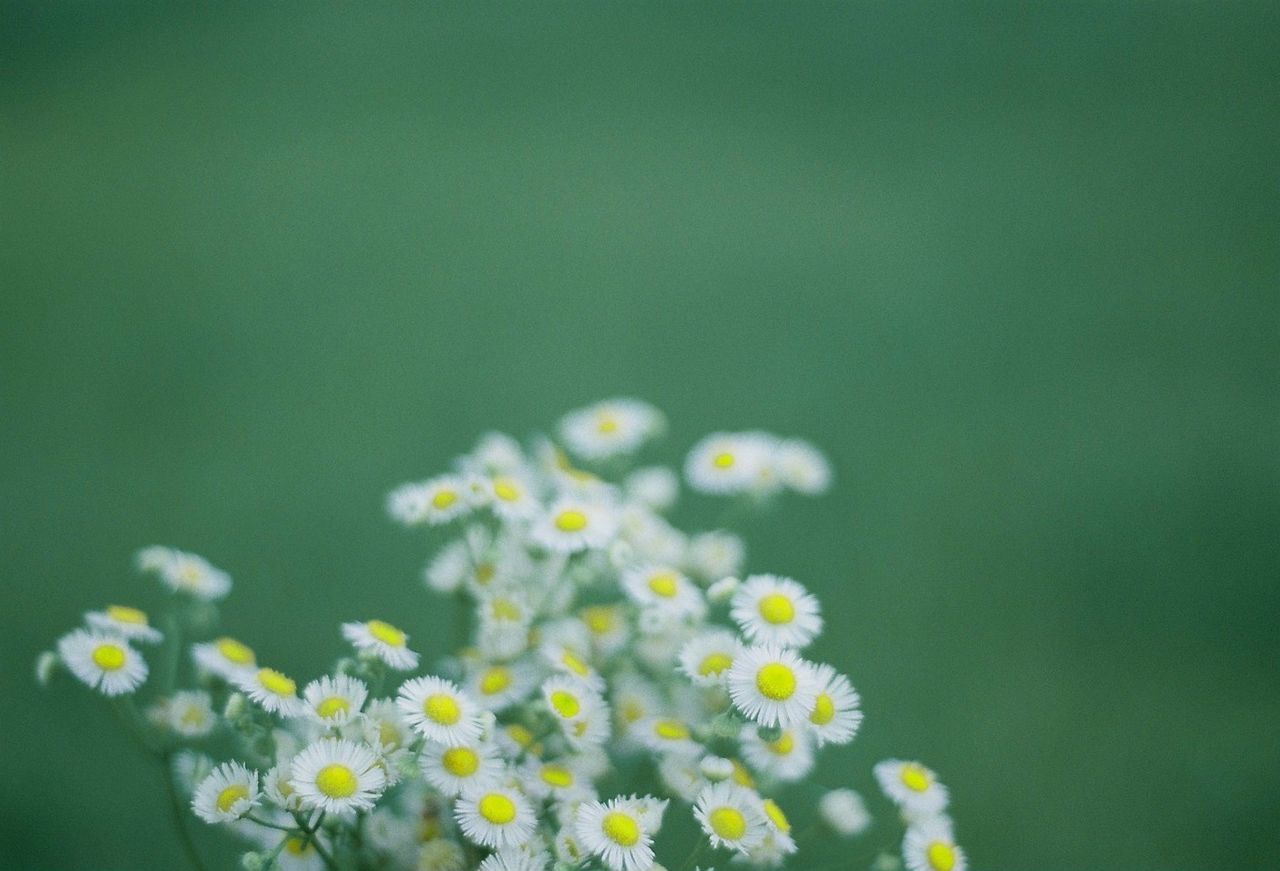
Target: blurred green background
1014, 266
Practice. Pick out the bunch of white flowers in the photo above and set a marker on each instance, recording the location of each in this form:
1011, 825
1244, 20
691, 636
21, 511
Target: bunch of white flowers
606, 664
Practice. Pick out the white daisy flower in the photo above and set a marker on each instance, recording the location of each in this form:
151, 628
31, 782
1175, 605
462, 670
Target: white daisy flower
334, 701
715, 768
730, 816
802, 467
787, 758
432, 502
713, 555
615, 832
103, 662
278, 786
455, 770
497, 686
911, 787
634, 698
516, 860
724, 463
439, 711
772, 685
574, 664
775, 610
574, 524
836, 714
185, 572
722, 590
298, 853
190, 713
682, 776
666, 735
129, 623
844, 812
224, 657
655, 487
385, 729
448, 569
777, 842
511, 497
337, 776
504, 619
607, 628
496, 817
227, 794
607, 429
930, 846
494, 453
382, 640
665, 589
554, 779
274, 691
569, 701
706, 657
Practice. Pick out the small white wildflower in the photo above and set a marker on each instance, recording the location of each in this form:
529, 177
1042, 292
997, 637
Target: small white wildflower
844, 811
495, 817
439, 711
185, 572
337, 776
929, 845
776, 610
772, 685
382, 640
730, 816
224, 657
227, 794
911, 786
103, 662
129, 623
274, 691
334, 701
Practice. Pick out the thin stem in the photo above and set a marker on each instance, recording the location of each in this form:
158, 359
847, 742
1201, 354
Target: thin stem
696, 854
180, 818
270, 825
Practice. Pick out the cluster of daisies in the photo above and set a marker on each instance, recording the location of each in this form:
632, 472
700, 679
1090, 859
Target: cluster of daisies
609, 665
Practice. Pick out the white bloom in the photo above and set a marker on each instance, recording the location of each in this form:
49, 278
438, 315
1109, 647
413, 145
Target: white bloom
516, 860
665, 589
615, 831
439, 711
723, 590
715, 554
775, 610
185, 572
505, 617
225, 657
930, 846
497, 686
777, 843
382, 640
706, 657
716, 768
384, 727
724, 463
836, 715
656, 487
129, 623
772, 686
278, 786
574, 524
103, 662
227, 794
617, 426
788, 758
454, 770
844, 811
334, 701
190, 713
495, 817
276, 693
730, 816
558, 778
337, 776
511, 497
607, 630
666, 735
802, 467
494, 453
572, 663
911, 787
432, 502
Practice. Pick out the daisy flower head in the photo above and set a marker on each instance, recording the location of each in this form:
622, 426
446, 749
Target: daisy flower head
224, 657
516, 860
706, 657
774, 610
608, 429
572, 663
189, 713
912, 787
615, 832
664, 589
455, 770
274, 691
129, 623
337, 776
439, 711
497, 686
511, 497
381, 640
730, 816
228, 793
575, 524
569, 700
844, 812
334, 701
929, 845
655, 487
714, 555
185, 572
836, 713
495, 453
787, 758
554, 779
504, 618
726, 463
278, 786
101, 661
777, 842
434, 502
772, 685
496, 817
802, 467
384, 727
666, 735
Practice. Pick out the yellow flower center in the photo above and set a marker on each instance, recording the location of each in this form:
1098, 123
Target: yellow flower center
484, 573
599, 619
506, 489
570, 520
504, 609
230, 795
442, 709
520, 734
914, 777
337, 781
728, 823
108, 657
671, 730
125, 614
714, 663
777, 609
575, 665
606, 424
297, 847
192, 716
497, 809
775, 681
630, 710
460, 761
824, 710
741, 775
941, 856
620, 828
723, 460
557, 776
495, 680
233, 651
388, 735
776, 816
386, 633
784, 745
566, 704
332, 707
443, 499
663, 584
274, 682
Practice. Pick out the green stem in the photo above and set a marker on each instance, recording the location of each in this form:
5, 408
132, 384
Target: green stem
179, 817
698, 850
251, 818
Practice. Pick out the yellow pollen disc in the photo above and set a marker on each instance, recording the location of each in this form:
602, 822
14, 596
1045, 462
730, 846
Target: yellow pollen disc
555, 775
784, 745
776, 816
485, 573
575, 665
571, 521
125, 614
233, 651
460, 761
941, 856
388, 736
824, 710
229, 796
663, 584
297, 846
599, 619
741, 776
506, 489
108, 657
441, 709
728, 823
723, 460
520, 734
607, 424
630, 711
386, 633
914, 777
274, 682
777, 609
775, 681
497, 809
504, 609
495, 680
670, 730
579, 728
566, 704
337, 781
620, 828
192, 716
332, 707
714, 664
443, 499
